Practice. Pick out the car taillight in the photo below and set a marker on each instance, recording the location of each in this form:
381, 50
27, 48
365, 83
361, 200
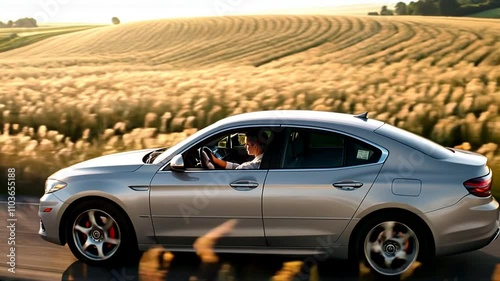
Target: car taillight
480, 187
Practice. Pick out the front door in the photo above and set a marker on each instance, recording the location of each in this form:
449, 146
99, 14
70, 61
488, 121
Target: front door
186, 205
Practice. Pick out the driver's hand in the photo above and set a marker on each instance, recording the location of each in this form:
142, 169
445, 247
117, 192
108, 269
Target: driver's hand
206, 160
212, 156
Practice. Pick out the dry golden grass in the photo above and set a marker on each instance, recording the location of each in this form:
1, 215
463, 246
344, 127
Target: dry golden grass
131, 86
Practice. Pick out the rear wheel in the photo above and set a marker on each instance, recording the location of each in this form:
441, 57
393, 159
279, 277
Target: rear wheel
391, 245
99, 234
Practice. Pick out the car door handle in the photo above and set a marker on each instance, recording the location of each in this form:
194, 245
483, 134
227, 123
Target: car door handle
244, 185
348, 184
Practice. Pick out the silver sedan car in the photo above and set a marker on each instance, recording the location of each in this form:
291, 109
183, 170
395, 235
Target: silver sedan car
326, 185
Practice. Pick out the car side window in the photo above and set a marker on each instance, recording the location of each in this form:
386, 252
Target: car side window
360, 153
229, 146
310, 149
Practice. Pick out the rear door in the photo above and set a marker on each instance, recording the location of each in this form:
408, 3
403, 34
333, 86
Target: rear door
320, 180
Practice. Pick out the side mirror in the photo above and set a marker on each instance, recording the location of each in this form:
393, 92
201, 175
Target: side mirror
177, 163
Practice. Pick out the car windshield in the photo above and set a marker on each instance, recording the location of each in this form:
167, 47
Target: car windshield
160, 158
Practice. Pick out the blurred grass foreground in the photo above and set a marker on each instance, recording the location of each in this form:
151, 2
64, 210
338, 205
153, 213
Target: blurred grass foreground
150, 84
155, 264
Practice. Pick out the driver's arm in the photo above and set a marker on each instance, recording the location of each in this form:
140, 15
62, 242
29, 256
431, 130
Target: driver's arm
219, 162
223, 164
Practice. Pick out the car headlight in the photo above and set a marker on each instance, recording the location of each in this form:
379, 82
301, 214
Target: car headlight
54, 185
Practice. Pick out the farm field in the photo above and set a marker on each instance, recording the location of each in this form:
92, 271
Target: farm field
11, 38
493, 13
150, 84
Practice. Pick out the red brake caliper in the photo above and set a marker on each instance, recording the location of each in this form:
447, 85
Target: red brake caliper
112, 234
87, 225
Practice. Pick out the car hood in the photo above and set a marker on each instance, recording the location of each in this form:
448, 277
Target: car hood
113, 163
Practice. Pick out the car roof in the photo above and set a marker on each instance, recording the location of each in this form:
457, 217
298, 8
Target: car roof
278, 117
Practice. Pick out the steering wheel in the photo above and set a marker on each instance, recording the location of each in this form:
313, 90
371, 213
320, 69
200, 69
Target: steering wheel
205, 153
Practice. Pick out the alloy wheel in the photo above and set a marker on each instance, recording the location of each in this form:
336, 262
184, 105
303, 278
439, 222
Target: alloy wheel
96, 234
391, 247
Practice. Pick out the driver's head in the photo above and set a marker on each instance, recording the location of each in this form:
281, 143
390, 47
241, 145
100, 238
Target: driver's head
256, 141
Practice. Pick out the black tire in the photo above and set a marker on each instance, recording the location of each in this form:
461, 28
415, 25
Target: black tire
106, 240
391, 244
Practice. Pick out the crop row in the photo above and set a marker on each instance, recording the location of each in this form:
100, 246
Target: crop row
284, 40
10, 40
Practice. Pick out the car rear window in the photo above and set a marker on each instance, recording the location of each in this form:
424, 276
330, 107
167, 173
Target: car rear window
414, 141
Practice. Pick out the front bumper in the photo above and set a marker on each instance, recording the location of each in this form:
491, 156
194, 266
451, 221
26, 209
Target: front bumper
50, 212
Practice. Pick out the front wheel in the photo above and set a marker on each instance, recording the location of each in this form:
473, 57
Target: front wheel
391, 246
98, 234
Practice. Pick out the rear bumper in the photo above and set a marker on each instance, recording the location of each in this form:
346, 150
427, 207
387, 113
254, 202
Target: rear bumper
495, 237
469, 225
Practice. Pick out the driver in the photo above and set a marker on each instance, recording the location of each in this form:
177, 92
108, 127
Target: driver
255, 144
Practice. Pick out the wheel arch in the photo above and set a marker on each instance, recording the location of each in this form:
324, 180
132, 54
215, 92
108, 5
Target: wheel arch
387, 213
74, 204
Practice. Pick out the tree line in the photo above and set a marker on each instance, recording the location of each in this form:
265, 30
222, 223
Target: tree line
440, 7
24, 22
31, 22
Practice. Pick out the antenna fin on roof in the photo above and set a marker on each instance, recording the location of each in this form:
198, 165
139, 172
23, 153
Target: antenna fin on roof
363, 115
